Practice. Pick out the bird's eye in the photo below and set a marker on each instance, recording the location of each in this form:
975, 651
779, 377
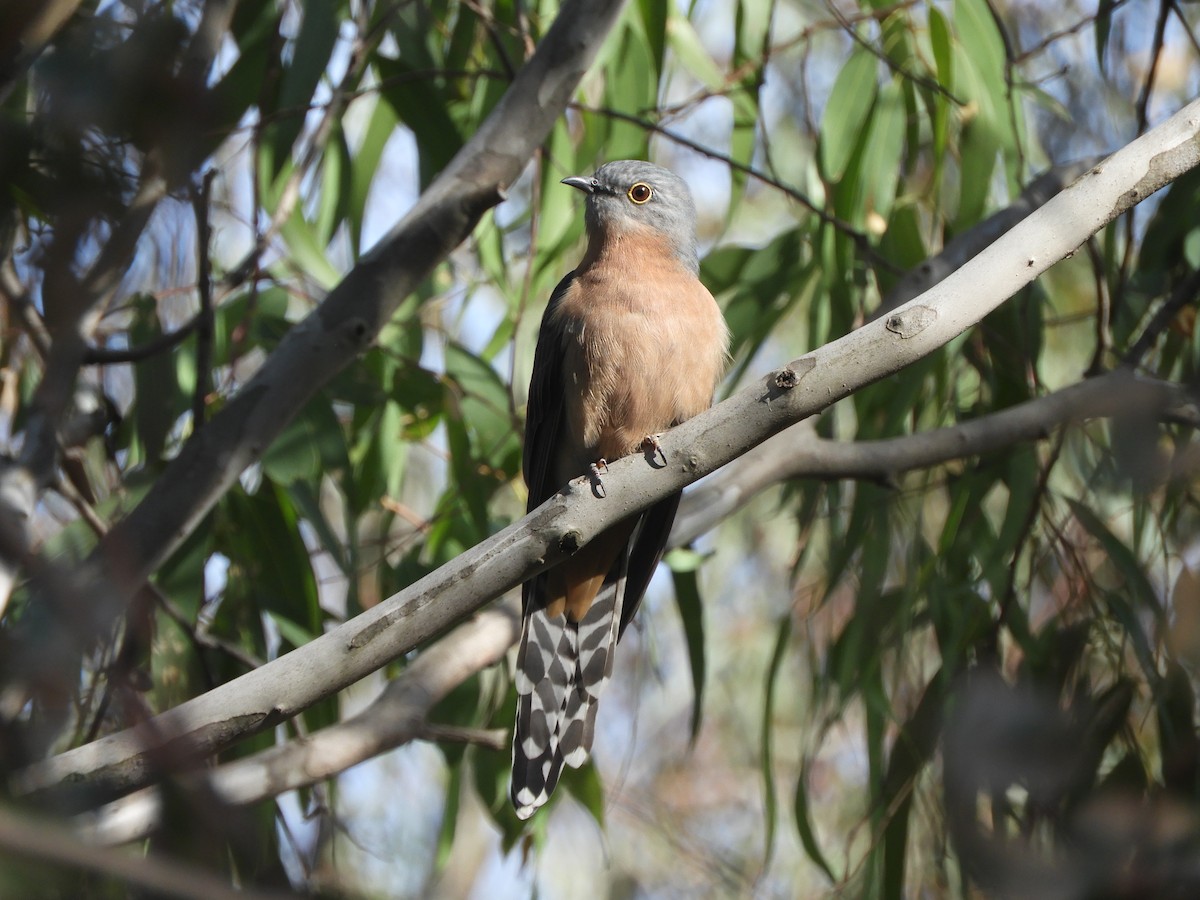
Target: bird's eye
640, 193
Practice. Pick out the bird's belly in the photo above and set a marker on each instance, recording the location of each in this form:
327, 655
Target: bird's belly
631, 379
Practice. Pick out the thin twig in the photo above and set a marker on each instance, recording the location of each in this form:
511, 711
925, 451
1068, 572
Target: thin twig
107, 356
928, 83
1160, 32
1103, 309
489, 738
488, 20
17, 299
1009, 80
204, 319
1184, 294
1186, 27
1055, 36
200, 637
1142, 107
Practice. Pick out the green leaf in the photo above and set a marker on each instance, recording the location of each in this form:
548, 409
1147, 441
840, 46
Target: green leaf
684, 565
1169, 227
782, 637
246, 319
1101, 28
483, 401
914, 746
691, 53
335, 188
445, 841
182, 576
752, 28
485, 450
630, 84
1136, 583
1119, 555
421, 395
309, 60
883, 152
270, 569
306, 498
312, 444
255, 27
808, 837
654, 16
308, 252
978, 149
410, 90
943, 56
940, 41
584, 785
365, 163
292, 632
560, 215
379, 458
982, 54
846, 112
758, 288
160, 401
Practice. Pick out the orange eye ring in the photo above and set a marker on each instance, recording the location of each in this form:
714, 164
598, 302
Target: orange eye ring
640, 193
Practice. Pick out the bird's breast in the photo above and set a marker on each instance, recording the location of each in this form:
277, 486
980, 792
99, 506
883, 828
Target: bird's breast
643, 349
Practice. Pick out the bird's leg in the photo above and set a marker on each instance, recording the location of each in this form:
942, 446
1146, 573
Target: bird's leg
652, 447
594, 470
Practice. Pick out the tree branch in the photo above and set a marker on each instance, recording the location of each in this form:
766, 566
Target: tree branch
800, 453
28, 28
30, 839
976, 239
72, 308
276, 691
397, 716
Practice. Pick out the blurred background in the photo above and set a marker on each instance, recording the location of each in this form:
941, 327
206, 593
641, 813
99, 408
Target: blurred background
879, 670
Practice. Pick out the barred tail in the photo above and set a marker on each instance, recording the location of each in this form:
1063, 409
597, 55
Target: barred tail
562, 666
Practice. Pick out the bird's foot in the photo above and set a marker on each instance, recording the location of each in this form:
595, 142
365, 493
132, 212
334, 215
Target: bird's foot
594, 471
652, 447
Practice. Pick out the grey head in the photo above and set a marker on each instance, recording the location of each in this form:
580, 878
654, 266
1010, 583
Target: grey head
629, 194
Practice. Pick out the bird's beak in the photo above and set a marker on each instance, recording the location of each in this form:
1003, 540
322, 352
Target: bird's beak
587, 185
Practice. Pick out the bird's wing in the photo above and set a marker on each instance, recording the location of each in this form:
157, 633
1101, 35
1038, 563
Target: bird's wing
546, 408
646, 550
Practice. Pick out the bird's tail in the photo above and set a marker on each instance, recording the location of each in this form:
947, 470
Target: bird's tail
562, 666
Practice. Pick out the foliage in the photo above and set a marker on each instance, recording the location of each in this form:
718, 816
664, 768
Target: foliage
974, 676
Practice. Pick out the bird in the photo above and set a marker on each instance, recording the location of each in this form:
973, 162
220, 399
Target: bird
630, 344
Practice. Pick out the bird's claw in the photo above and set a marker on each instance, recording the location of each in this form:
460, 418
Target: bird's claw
652, 447
594, 470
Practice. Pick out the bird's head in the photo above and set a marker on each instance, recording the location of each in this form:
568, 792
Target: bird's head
628, 195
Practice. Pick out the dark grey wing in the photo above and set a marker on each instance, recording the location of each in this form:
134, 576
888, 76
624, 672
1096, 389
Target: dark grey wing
546, 406
646, 550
